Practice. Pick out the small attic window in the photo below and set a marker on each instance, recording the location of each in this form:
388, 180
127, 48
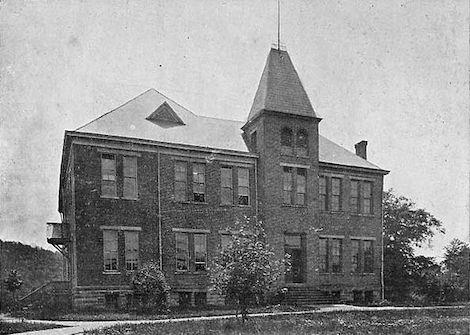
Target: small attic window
165, 115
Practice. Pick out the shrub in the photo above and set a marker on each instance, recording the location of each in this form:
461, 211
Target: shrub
150, 288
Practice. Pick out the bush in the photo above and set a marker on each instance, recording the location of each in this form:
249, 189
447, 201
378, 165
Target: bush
151, 289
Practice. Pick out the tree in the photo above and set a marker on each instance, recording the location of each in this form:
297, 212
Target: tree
245, 269
457, 270
13, 282
405, 228
150, 288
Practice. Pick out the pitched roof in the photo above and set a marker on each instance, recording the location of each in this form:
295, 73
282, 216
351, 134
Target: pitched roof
130, 120
280, 88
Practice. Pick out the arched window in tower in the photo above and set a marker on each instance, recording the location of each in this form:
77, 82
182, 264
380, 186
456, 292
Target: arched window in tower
301, 143
286, 141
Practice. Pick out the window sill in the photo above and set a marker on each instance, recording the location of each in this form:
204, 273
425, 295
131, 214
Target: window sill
362, 274
126, 198
111, 272
294, 206
109, 197
193, 202
363, 214
235, 205
332, 212
332, 273
191, 272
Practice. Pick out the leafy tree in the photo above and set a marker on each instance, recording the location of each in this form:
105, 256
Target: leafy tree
246, 269
13, 282
457, 270
405, 228
150, 288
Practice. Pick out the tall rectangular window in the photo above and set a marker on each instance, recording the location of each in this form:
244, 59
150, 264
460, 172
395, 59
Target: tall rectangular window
199, 182
226, 191
301, 186
182, 251
355, 254
368, 257
367, 197
181, 176
243, 186
354, 198
336, 255
130, 177
323, 255
131, 240
254, 141
287, 185
108, 175
335, 194
110, 250
200, 252
323, 194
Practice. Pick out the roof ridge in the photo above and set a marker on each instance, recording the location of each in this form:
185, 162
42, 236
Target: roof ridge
125, 103
173, 101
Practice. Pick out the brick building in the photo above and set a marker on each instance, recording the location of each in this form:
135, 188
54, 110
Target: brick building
150, 180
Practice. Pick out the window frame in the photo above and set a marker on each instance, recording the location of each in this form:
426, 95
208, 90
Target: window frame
368, 256
336, 260
301, 172
106, 252
324, 206
199, 197
287, 185
243, 187
134, 262
327, 256
366, 197
129, 177
103, 180
228, 187
338, 196
186, 252
182, 182
196, 262
355, 208
301, 142
287, 141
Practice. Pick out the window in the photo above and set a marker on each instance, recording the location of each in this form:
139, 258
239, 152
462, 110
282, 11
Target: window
323, 194
366, 197
335, 194
110, 250
368, 257
131, 240
182, 252
200, 298
286, 141
254, 141
181, 176
301, 186
130, 177
302, 143
287, 185
200, 252
243, 186
108, 175
355, 254
362, 256
323, 255
336, 252
331, 255
198, 182
361, 197
226, 192
354, 199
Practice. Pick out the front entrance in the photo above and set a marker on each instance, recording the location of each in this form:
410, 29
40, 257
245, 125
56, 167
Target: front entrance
293, 248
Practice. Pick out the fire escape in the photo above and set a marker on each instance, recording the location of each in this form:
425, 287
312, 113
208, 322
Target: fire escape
58, 237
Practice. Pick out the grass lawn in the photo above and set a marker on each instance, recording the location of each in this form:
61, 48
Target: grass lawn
20, 327
174, 313
422, 322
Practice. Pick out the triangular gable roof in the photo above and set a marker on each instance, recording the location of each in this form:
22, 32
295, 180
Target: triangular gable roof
280, 88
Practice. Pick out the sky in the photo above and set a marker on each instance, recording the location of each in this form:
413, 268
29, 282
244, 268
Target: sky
394, 73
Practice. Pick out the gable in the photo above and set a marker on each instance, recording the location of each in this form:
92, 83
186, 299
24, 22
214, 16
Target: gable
165, 114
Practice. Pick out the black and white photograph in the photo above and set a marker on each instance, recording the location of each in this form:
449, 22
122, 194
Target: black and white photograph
234, 167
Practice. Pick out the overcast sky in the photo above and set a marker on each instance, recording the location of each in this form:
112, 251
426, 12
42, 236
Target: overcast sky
392, 72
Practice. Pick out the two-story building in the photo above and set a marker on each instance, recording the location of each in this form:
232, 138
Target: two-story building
151, 180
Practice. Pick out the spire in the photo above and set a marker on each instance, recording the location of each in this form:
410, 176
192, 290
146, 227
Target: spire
280, 88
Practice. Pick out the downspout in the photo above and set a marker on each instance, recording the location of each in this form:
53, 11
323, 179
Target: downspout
256, 188
159, 214
382, 281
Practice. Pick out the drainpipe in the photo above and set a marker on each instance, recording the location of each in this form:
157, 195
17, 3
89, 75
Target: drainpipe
256, 189
159, 213
382, 282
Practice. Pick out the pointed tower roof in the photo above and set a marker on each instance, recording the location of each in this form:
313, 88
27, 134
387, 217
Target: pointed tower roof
280, 88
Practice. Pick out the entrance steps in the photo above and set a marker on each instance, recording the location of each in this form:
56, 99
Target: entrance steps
305, 295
